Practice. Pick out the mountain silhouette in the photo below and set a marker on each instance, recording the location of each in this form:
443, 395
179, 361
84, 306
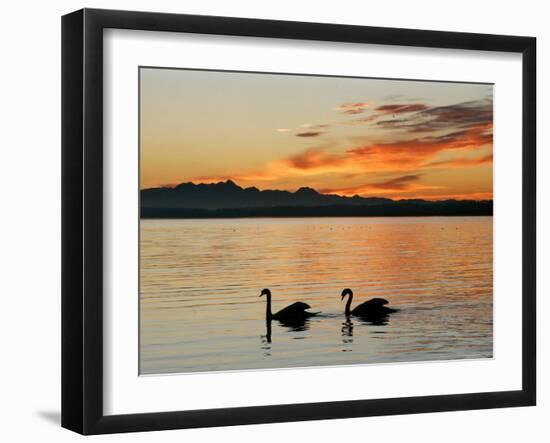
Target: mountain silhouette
227, 199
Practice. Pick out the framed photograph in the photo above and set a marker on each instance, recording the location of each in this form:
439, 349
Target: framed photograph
268, 221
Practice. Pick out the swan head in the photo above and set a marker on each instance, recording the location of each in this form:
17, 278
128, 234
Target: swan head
346, 291
266, 292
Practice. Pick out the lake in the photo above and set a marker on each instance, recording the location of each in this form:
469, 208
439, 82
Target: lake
200, 282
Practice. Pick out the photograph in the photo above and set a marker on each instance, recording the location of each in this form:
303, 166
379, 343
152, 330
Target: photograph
291, 221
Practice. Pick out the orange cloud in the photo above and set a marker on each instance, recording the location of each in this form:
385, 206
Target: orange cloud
405, 155
458, 128
314, 158
454, 162
417, 152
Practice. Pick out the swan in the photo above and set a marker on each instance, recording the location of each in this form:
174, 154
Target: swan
296, 312
375, 307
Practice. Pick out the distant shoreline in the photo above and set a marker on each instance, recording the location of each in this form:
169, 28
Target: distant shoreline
313, 216
434, 209
229, 200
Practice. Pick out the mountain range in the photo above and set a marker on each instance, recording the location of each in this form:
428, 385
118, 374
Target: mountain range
227, 199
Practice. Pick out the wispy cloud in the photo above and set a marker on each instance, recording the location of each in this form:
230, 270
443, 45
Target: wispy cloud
307, 129
402, 108
316, 126
352, 108
405, 184
430, 119
397, 182
308, 134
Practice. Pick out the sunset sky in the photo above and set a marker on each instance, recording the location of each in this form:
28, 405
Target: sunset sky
346, 136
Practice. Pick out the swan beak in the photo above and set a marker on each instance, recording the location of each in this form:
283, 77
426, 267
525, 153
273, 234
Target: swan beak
342, 297
260, 295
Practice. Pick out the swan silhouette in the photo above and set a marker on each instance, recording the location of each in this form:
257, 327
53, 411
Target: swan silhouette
372, 309
292, 314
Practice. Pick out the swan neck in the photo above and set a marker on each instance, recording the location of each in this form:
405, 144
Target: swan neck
348, 304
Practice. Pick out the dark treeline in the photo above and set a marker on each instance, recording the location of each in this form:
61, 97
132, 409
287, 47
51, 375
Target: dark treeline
400, 208
228, 200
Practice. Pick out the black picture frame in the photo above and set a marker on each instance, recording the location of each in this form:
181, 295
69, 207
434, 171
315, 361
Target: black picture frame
82, 219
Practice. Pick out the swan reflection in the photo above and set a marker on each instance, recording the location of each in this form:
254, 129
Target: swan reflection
347, 335
294, 325
347, 329
375, 320
267, 337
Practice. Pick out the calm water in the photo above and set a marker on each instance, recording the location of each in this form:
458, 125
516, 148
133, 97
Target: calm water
200, 282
